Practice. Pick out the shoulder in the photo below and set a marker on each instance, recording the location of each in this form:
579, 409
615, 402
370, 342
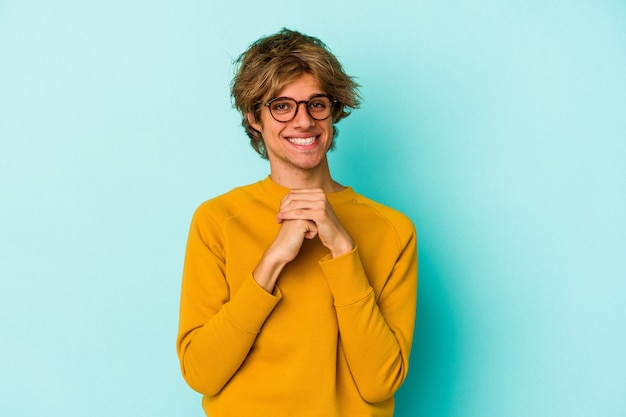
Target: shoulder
229, 204
379, 217
383, 211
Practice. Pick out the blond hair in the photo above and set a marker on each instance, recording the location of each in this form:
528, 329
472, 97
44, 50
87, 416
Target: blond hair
274, 61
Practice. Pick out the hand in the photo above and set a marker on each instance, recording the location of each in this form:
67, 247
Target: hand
283, 250
303, 214
289, 239
311, 205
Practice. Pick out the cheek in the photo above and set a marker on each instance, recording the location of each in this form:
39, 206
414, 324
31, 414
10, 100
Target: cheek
330, 128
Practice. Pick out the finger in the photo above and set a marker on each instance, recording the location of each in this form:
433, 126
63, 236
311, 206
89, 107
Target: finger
313, 214
306, 191
300, 227
294, 204
312, 231
303, 195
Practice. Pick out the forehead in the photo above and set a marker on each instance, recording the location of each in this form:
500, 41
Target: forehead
301, 88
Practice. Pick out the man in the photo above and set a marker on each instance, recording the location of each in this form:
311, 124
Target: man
298, 295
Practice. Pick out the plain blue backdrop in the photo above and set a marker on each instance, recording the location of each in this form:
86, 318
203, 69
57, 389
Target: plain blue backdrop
498, 127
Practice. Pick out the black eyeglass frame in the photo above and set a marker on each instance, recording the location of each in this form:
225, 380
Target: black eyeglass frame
333, 103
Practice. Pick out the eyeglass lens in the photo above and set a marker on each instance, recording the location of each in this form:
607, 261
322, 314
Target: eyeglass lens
284, 109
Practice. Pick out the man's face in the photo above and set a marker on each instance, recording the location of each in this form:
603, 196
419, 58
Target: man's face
301, 143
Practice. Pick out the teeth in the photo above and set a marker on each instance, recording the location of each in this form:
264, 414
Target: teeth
302, 141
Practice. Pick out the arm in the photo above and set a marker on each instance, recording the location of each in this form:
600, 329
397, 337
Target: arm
216, 329
376, 333
376, 330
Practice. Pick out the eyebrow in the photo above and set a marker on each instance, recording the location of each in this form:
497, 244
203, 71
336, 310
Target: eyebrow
310, 97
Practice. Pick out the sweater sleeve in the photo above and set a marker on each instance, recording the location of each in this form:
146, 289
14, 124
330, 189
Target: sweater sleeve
376, 333
217, 329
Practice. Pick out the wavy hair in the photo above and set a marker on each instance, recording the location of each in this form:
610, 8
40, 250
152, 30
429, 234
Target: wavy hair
274, 61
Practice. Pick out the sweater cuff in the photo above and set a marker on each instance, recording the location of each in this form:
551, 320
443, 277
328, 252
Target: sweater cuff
251, 305
346, 278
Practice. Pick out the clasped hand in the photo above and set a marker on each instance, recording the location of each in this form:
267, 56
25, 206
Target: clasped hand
305, 214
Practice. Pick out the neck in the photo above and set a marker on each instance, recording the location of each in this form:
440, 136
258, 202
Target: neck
296, 178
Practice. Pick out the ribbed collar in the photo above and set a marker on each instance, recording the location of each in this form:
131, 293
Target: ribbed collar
279, 191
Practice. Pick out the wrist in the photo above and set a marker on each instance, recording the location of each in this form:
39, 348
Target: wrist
267, 271
342, 248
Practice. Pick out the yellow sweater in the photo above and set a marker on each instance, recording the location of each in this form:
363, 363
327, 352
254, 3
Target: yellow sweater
332, 340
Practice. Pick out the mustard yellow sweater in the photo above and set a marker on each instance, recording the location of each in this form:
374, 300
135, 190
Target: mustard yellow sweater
332, 340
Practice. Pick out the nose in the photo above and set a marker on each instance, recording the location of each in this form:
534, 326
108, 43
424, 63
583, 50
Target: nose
302, 117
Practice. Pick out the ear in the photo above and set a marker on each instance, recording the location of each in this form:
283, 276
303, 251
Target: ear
253, 122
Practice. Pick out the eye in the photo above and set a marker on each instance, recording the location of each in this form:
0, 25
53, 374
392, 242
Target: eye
282, 106
319, 104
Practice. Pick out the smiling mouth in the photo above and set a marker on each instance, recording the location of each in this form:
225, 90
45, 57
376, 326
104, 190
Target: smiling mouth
303, 141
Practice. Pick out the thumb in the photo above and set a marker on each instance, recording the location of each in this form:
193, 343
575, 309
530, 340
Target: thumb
311, 231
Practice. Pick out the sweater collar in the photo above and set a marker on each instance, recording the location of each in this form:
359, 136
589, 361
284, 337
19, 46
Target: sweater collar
279, 191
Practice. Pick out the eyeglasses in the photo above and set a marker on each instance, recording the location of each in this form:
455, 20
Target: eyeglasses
284, 109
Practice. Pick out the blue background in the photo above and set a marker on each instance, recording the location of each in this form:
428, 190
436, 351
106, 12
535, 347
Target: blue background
498, 127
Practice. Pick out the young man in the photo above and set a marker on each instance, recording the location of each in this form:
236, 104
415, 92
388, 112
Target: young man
298, 295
